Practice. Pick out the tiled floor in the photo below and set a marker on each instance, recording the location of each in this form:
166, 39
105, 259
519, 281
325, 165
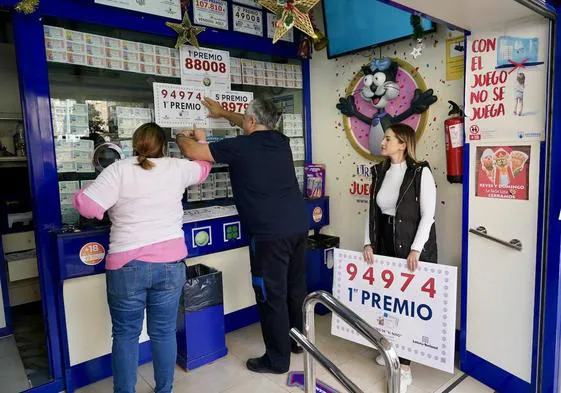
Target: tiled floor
229, 374
12, 373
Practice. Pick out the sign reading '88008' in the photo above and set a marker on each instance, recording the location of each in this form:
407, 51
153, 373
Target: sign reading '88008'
416, 311
205, 68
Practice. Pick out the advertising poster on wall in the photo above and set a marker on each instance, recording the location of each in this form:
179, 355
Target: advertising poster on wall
502, 172
416, 311
506, 83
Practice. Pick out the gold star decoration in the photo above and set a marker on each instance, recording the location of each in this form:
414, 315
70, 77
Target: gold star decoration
186, 32
291, 13
27, 6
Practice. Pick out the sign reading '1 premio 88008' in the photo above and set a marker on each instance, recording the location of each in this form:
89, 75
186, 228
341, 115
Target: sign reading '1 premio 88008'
179, 106
205, 68
415, 311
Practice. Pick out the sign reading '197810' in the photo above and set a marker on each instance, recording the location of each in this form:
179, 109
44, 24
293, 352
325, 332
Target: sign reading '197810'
211, 13
415, 311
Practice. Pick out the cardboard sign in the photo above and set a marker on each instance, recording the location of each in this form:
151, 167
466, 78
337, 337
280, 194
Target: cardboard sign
415, 311
179, 106
235, 101
205, 68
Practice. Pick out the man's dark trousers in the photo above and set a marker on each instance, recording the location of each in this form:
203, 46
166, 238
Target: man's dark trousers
278, 269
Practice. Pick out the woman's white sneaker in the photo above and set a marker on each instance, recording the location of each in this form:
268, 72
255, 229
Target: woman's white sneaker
406, 379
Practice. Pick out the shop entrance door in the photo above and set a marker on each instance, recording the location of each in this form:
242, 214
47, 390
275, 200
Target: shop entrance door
501, 307
503, 228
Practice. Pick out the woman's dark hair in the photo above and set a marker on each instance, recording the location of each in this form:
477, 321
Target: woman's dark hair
406, 134
148, 141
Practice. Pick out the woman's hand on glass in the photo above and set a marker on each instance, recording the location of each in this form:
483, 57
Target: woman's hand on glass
413, 260
368, 252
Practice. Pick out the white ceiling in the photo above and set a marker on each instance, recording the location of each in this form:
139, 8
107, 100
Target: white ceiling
470, 14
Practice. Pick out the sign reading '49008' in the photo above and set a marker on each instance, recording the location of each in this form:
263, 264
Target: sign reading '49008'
415, 311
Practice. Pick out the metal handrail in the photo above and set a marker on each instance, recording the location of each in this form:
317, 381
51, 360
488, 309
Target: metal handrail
482, 231
324, 361
359, 325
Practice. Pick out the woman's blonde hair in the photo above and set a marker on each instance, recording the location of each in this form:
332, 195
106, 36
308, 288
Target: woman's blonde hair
148, 141
406, 134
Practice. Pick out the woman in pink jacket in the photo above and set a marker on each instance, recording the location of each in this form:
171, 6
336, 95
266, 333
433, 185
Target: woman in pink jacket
145, 270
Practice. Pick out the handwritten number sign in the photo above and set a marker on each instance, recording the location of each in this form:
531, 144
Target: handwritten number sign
416, 311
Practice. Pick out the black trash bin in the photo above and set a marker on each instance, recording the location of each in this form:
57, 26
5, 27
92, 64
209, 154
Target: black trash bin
201, 337
319, 268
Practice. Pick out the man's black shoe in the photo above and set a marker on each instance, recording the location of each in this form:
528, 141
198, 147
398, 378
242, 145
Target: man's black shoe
262, 365
297, 349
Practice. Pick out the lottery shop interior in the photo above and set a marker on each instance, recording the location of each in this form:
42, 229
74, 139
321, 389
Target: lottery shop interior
70, 99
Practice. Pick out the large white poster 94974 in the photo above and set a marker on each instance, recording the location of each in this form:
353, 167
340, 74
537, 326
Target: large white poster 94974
415, 311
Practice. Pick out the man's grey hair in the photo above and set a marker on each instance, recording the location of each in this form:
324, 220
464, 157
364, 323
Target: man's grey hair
265, 112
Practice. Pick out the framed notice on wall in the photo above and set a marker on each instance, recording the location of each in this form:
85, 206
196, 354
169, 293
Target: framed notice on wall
415, 311
168, 8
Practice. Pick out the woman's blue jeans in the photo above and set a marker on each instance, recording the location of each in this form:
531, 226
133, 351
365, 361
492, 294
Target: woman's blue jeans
132, 289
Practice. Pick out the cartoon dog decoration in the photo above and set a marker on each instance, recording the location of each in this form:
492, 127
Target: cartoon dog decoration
381, 87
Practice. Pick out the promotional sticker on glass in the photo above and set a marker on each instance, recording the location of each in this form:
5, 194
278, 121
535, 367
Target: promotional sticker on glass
205, 68
211, 13
179, 106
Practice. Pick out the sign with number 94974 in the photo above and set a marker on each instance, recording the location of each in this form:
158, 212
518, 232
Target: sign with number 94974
415, 311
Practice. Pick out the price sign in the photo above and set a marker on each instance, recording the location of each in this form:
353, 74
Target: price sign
205, 68
179, 106
271, 27
251, 3
248, 20
234, 101
415, 311
211, 13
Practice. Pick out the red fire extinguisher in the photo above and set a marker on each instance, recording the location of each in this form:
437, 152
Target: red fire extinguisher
454, 131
